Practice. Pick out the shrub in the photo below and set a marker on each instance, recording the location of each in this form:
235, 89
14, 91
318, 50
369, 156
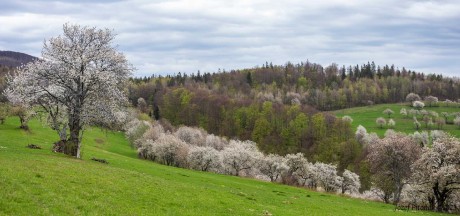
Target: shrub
391, 123
403, 112
371, 138
381, 122
418, 105
388, 112
273, 166
204, 158
411, 97
457, 121
215, 142
239, 157
431, 100
440, 122
350, 183
169, 150
361, 132
326, 175
347, 119
192, 136
421, 137
413, 113
135, 129
417, 124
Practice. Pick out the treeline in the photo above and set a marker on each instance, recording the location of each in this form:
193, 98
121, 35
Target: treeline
324, 88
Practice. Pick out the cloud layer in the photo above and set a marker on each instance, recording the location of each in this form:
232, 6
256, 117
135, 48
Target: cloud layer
165, 37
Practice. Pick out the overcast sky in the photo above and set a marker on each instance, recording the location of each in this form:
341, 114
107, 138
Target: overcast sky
165, 37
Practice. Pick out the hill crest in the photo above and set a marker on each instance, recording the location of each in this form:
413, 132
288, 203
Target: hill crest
15, 59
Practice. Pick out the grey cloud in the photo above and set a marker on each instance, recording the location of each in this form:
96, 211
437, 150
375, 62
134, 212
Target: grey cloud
185, 35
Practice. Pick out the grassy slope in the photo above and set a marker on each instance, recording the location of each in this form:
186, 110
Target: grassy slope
40, 182
366, 117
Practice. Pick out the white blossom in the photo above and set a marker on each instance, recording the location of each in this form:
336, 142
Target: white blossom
273, 166
82, 73
403, 112
326, 175
215, 142
438, 170
240, 156
350, 183
204, 158
192, 136
391, 123
418, 105
381, 122
361, 132
169, 150
411, 97
347, 119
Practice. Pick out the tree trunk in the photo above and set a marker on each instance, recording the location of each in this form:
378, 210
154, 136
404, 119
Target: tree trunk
397, 194
440, 197
73, 145
63, 133
22, 120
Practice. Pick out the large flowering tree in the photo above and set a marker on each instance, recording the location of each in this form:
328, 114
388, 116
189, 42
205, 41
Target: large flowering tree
438, 171
79, 81
391, 159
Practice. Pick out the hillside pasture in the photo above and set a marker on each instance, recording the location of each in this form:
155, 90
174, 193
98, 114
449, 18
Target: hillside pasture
40, 182
366, 116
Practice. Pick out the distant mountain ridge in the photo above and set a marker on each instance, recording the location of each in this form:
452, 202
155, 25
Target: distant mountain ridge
15, 59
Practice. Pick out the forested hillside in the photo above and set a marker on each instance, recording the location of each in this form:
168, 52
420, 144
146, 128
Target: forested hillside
325, 88
278, 106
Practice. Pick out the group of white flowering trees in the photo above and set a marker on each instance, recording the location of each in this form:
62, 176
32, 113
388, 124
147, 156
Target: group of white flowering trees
79, 81
419, 169
193, 148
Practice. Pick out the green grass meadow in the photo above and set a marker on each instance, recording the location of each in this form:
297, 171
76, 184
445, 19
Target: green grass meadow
40, 182
366, 117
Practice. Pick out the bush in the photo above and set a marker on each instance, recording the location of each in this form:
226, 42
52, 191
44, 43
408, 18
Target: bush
192, 136
381, 122
273, 166
326, 175
457, 121
361, 132
204, 158
347, 119
411, 97
153, 132
167, 149
418, 105
391, 123
388, 112
403, 112
215, 142
239, 157
135, 129
431, 100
